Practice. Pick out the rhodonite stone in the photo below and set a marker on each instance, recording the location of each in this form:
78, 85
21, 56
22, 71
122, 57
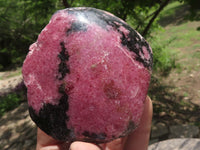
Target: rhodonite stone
87, 76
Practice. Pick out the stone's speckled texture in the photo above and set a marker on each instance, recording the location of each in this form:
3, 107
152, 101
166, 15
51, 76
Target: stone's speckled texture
87, 76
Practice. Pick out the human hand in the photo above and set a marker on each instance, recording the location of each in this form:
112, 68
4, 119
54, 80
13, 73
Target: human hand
137, 140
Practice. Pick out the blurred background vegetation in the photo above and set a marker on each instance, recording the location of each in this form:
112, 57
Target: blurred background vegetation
22, 20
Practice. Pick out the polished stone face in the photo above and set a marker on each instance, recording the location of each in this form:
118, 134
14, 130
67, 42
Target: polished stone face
87, 76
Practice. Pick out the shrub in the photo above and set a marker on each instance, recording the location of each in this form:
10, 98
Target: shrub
11, 100
164, 58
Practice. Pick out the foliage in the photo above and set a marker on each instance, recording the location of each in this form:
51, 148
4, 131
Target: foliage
194, 4
141, 19
8, 102
194, 8
11, 100
23, 20
138, 12
164, 59
20, 23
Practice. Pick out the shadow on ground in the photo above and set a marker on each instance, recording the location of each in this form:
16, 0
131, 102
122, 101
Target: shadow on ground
17, 130
183, 13
171, 108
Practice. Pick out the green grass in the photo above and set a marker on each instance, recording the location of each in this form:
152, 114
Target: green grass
185, 94
176, 41
197, 55
164, 58
183, 36
18, 72
180, 41
170, 9
174, 13
183, 33
196, 46
12, 74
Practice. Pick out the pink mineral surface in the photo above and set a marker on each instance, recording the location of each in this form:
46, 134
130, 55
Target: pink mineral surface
87, 76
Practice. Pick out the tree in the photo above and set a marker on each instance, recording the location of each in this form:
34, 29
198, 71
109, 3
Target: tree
195, 4
20, 23
22, 20
137, 10
66, 3
156, 13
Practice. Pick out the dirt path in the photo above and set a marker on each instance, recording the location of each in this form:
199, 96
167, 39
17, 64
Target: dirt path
9, 80
186, 78
18, 132
176, 97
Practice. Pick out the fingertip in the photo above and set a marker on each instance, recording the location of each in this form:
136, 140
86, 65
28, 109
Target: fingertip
149, 105
148, 100
83, 146
139, 139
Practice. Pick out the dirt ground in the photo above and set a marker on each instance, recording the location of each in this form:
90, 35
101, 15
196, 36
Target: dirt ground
186, 78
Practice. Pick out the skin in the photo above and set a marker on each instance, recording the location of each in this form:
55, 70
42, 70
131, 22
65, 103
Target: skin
137, 140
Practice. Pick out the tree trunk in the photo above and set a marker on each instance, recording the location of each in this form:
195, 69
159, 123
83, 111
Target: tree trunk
66, 4
162, 5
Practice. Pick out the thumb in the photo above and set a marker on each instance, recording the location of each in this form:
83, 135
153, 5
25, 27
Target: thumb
83, 146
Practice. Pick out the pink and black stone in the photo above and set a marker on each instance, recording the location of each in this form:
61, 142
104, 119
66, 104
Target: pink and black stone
87, 76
